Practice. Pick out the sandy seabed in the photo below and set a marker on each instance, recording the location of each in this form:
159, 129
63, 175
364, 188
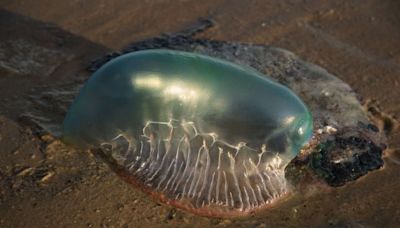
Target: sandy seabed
44, 183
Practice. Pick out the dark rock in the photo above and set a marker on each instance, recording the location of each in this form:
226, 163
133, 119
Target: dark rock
346, 158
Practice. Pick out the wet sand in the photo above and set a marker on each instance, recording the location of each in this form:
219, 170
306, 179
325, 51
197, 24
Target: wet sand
44, 44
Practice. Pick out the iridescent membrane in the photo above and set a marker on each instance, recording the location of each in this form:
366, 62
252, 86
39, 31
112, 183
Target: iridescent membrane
204, 134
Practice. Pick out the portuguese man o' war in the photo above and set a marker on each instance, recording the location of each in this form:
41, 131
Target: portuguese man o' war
345, 143
204, 134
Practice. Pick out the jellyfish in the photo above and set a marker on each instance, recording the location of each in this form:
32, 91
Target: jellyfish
196, 132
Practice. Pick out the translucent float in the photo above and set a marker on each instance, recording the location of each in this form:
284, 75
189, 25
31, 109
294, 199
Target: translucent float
196, 132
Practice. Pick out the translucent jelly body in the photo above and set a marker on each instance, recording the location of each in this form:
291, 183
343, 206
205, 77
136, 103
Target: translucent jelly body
208, 135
